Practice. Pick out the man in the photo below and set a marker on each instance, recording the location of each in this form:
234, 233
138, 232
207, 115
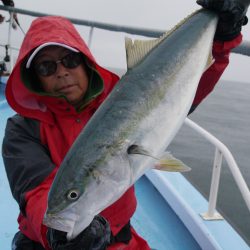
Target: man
55, 88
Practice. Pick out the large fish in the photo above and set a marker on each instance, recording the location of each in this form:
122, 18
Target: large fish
131, 130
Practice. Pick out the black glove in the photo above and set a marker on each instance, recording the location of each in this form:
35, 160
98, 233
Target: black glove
232, 16
95, 237
1, 18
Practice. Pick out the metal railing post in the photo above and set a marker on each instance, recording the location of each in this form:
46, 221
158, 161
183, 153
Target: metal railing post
8, 46
211, 214
90, 36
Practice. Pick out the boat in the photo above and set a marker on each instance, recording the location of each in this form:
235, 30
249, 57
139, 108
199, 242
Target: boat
171, 212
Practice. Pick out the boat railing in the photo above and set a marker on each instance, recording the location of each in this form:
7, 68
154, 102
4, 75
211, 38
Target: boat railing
243, 48
220, 149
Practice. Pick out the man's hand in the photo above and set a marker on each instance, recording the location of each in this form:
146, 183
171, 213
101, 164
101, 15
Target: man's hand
95, 237
15, 21
232, 16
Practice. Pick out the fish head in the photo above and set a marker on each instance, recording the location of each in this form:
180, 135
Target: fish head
64, 193
62, 198
73, 201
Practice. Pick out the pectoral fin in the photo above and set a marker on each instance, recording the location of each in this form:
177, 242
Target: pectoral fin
138, 150
166, 162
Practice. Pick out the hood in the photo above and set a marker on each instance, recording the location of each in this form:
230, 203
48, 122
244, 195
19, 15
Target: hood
31, 104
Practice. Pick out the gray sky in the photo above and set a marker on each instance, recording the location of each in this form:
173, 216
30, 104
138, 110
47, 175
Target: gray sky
108, 47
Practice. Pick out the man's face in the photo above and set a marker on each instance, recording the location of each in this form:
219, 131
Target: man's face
70, 82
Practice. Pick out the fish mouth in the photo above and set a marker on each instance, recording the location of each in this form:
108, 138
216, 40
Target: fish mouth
66, 222
55, 223
63, 221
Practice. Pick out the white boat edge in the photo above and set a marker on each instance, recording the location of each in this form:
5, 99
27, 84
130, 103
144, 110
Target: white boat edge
189, 204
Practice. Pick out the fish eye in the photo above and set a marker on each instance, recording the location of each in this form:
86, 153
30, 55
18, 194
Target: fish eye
73, 195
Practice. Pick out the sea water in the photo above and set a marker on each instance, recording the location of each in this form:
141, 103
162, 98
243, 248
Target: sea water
226, 114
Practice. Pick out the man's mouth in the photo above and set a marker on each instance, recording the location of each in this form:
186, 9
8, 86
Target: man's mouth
66, 88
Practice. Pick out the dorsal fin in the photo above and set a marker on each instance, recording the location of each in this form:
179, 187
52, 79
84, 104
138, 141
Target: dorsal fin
137, 50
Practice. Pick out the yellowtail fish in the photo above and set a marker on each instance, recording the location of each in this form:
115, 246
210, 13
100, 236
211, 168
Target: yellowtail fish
130, 131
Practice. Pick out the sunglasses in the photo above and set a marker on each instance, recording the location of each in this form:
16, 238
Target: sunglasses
48, 68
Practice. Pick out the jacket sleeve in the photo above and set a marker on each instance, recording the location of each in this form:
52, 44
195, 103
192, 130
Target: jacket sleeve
211, 76
30, 172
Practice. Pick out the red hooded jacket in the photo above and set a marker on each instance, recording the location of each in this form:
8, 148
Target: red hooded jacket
38, 138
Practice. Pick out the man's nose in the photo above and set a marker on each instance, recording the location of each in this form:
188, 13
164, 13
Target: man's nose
61, 70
